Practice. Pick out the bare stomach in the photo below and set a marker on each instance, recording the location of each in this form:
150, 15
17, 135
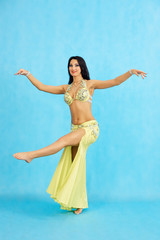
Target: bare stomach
81, 112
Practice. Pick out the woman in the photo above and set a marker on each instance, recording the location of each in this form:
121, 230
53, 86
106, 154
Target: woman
68, 184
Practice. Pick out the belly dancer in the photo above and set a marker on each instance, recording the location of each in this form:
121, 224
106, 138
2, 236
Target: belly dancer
68, 184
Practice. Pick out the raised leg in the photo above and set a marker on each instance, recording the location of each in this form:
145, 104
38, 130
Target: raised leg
70, 139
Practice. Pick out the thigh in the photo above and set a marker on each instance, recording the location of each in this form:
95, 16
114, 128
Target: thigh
73, 138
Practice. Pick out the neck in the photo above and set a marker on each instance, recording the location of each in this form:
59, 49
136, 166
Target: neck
77, 79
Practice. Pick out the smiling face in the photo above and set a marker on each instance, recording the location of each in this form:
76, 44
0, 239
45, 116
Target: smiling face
74, 68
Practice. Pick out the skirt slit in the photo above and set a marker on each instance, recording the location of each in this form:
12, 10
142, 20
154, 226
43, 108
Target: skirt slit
68, 184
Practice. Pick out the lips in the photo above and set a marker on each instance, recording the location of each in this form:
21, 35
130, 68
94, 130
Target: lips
74, 72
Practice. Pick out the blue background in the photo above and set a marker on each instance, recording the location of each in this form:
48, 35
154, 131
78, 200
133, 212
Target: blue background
124, 163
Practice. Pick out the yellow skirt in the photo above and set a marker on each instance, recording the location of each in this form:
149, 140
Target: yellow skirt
68, 184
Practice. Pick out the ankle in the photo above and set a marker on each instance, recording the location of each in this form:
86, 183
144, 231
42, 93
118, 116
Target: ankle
32, 154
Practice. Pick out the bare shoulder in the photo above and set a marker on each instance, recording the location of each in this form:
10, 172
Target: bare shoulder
65, 87
89, 83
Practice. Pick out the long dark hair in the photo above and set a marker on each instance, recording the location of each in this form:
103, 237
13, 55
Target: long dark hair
83, 66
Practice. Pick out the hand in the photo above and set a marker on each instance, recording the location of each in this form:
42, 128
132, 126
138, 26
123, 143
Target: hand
137, 72
21, 72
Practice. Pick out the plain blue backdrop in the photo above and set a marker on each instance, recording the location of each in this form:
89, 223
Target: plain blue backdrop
112, 37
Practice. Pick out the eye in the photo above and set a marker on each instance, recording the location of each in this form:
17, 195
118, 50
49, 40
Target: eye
77, 65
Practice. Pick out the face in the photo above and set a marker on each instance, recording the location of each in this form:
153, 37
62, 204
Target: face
74, 68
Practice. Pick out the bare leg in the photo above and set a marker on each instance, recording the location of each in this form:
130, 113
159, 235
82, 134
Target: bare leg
70, 139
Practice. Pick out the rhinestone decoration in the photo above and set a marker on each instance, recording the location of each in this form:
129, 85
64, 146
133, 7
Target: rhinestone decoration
82, 94
93, 126
67, 98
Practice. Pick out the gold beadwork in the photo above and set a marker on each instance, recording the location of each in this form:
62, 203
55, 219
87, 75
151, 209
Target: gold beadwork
82, 94
94, 126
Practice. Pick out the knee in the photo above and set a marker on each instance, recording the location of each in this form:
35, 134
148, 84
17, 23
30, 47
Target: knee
62, 141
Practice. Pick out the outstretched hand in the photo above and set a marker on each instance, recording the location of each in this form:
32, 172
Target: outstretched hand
21, 72
137, 72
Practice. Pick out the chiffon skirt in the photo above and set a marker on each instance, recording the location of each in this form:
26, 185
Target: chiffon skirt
68, 184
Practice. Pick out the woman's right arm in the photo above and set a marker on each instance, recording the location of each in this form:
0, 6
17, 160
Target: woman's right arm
42, 87
53, 89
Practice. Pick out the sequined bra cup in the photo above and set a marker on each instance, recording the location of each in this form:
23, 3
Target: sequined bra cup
82, 95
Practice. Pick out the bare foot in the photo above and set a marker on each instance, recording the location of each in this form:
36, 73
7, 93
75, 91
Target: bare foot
23, 156
78, 211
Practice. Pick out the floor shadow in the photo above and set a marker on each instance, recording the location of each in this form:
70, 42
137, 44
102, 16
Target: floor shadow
32, 205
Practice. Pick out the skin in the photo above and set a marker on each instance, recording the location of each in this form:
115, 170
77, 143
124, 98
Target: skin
80, 111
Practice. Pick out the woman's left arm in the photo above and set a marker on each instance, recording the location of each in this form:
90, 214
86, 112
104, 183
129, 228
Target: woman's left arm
98, 84
128, 74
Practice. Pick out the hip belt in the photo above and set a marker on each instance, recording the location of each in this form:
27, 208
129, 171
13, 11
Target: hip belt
90, 124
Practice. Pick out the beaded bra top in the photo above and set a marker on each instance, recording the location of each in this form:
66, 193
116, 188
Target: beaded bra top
82, 95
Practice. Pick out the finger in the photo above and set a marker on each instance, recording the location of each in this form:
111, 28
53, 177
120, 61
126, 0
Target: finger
144, 75
143, 72
17, 73
139, 71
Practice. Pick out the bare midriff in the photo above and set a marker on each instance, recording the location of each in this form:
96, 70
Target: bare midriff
80, 112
